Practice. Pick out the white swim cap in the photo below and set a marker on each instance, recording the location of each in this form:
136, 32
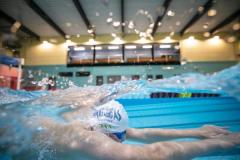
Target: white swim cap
110, 117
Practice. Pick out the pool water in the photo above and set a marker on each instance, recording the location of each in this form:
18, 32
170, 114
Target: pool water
183, 113
20, 108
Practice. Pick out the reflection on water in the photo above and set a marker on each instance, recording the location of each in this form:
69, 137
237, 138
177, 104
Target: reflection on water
22, 113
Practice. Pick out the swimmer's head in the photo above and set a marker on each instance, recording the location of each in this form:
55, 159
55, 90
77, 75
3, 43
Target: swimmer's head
111, 119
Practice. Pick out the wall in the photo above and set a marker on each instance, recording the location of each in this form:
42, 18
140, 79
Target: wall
194, 50
207, 50
40, 72
202, 55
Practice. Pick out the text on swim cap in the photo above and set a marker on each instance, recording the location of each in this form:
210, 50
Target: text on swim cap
112, 114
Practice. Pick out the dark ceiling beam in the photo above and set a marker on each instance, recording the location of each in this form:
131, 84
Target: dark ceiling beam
44, 16
166, 5
226, 21
122, 16
79, 7
22, 27
197, 16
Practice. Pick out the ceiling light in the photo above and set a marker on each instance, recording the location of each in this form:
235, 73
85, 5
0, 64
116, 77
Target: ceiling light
236, 26
191, 38
205, 26
147, 46
130, 47
215, 40
206, 34
212, 12
190, 41
164, 46
177, 47
117, 40
46, 45
79, 48
216, 37
67, 36
52, 40
45, 42
200, 9
167, 39
68, 41
231, 39
91, 40
98, 48
113, 47
170, 13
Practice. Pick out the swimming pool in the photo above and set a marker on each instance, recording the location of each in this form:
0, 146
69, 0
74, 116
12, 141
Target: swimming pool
19, 108
183, 113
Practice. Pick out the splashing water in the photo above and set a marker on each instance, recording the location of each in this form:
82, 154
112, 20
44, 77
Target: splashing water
19, 121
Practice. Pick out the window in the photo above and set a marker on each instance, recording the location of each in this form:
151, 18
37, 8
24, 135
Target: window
82, 74
99, 80
65, 74
108, 54
159, 76
136, 53
82, 54
135, 77
113, 79
149, 77
166, 52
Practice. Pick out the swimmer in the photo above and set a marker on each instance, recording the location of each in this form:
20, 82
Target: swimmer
100, 139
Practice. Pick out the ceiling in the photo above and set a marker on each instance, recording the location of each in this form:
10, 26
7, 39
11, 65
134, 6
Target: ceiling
143, 13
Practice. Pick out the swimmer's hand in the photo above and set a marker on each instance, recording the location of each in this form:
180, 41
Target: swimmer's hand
211, 131
231, 140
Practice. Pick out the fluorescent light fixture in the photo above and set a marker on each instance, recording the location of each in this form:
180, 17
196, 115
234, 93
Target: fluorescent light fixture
164, 46
177, 47
147, 46
79, 48
68, 41
98, 48
45, 42
113, 47
130, 47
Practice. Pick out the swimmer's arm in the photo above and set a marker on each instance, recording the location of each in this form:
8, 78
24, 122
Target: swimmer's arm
189, 150
149, 135
102, 147
76, 142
